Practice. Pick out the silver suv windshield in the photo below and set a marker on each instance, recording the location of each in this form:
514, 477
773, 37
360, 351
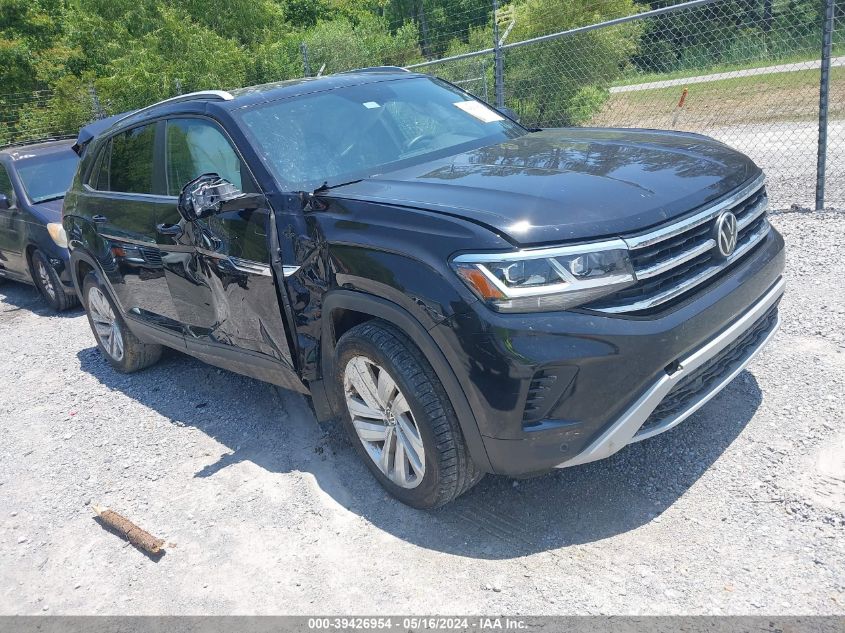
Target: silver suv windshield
354, 132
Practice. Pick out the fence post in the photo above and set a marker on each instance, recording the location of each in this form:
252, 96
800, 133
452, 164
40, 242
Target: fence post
96, 108
824, 96
306, 65
499, 66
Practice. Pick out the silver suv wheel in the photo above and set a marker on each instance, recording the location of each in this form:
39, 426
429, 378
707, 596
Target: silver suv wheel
44, 278
384, 422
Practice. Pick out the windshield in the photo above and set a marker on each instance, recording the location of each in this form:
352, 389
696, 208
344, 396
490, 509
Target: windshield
358, 131
47, 177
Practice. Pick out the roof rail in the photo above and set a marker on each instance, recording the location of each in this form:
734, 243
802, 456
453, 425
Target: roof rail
210, 95
36, 141
376, 69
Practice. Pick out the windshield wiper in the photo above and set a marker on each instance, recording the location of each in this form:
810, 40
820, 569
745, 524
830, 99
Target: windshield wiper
327, 187
48, 198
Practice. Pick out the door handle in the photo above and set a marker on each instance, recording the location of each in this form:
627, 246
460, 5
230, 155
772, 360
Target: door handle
174, 230
100, 219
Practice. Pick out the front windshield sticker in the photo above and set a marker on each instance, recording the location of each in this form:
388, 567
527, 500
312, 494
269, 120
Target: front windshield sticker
371, 104
479, 111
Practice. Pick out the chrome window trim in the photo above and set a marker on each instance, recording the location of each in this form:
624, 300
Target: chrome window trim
664, 233
624, 430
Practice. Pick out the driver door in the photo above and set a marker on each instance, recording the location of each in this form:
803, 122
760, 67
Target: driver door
11, 231
218, 268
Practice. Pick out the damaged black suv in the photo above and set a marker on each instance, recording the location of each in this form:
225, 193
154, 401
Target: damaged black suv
468, 295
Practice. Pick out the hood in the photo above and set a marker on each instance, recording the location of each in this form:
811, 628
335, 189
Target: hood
49, 211
554, 186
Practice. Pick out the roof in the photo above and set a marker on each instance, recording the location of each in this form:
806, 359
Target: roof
296, 87
20, 152
239, 97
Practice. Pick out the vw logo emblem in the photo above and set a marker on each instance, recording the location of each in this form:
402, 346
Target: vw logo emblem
726, 234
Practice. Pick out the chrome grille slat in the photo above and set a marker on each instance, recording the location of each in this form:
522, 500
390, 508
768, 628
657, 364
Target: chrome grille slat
672, 261
755, 212
677, 260
745, 245
708, 214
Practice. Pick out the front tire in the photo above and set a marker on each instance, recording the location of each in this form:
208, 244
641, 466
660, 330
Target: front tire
49, 285
399, 418
124, 351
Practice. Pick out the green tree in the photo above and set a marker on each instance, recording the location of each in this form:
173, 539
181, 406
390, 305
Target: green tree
178, 49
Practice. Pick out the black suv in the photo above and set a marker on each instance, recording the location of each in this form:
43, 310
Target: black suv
33, 245
468, 295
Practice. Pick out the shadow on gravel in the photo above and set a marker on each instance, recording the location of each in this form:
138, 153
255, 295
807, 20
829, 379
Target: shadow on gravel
25, 297
499, 519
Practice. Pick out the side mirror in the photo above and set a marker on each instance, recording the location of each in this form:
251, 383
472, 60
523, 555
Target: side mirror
206, 195
5, 203
509, 113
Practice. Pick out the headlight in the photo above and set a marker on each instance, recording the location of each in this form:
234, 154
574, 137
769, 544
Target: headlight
57, 232
549, 278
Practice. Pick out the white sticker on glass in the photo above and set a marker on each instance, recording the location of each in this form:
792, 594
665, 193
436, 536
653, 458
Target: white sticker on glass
479, 111
371, 104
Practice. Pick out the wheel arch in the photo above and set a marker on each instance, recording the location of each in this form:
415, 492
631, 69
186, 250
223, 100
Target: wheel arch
81, 264
342, 310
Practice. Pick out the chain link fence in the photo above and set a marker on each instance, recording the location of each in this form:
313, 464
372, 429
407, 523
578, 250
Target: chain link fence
747, 72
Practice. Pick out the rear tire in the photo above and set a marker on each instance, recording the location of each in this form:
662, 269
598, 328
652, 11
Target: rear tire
404, 426
124, 351
49, 285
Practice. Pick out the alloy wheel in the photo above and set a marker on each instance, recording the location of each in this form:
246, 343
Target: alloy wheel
106, 326
384, 422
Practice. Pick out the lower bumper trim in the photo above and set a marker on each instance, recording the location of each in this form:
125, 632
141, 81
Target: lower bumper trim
627, 428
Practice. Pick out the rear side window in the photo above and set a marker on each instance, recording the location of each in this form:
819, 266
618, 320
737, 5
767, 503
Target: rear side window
125, 164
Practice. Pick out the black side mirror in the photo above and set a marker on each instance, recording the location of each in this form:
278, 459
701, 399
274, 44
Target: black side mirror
5, 203
206, 195
509, 113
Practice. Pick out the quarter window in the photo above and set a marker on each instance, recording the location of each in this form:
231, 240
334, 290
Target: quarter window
196, 147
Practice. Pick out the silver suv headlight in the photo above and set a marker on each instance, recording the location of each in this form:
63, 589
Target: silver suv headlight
533, 280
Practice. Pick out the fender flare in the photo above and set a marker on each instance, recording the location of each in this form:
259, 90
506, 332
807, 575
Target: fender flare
402, 319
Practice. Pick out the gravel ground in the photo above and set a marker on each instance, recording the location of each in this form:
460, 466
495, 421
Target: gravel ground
738, 510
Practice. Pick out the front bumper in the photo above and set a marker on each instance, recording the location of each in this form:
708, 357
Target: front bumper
758, 324
559, 389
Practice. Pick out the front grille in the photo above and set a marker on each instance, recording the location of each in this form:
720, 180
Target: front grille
151, 255
675, 261
702, 380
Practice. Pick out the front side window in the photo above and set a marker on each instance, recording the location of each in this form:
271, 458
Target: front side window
196, 147
127, 166
47, 177
358, 131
